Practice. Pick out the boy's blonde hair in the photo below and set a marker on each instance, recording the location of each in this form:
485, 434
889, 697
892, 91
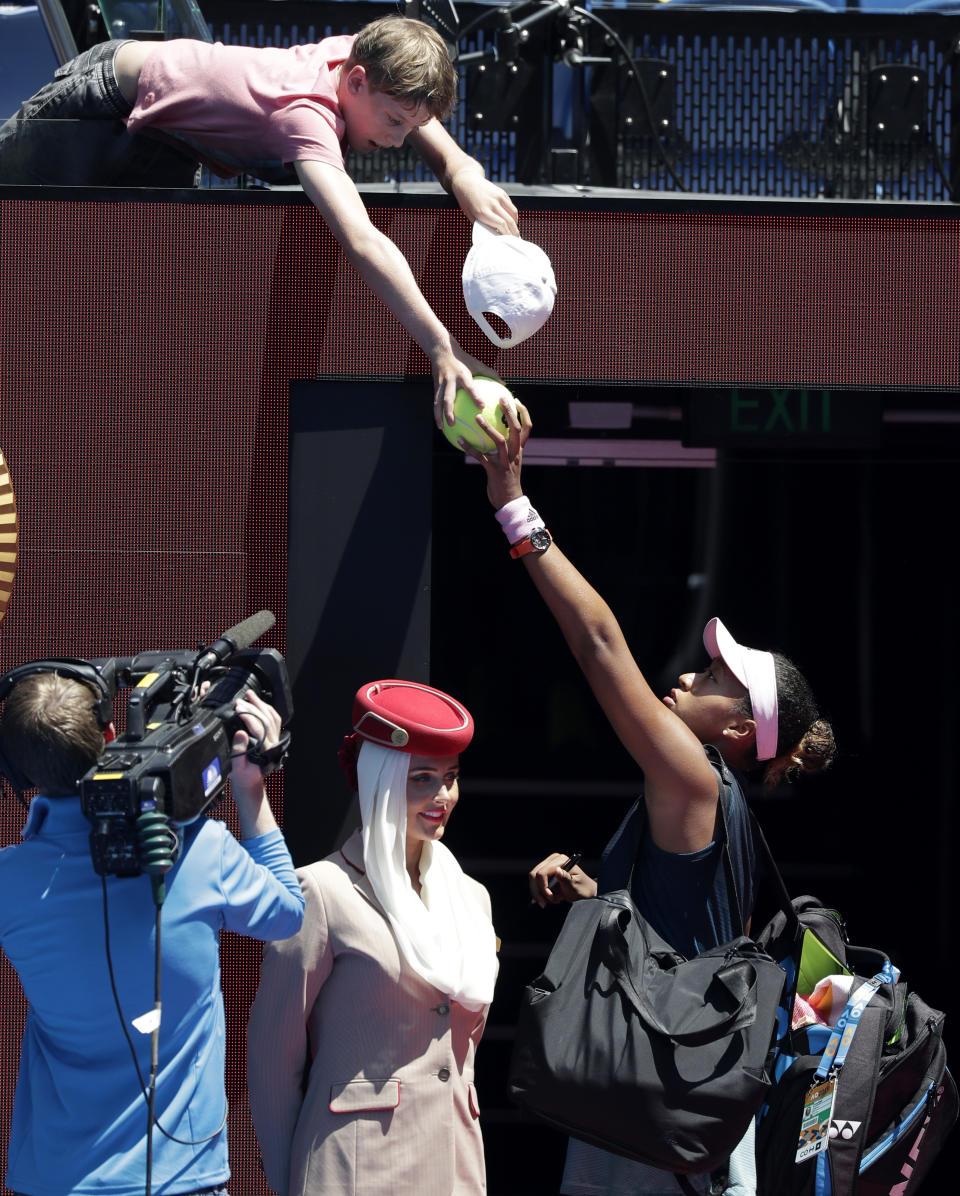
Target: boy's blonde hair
408, 60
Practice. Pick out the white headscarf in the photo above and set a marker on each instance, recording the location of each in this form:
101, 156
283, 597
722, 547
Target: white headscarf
444, 934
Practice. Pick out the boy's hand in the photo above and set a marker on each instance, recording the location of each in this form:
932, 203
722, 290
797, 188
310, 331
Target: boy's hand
453, 369
463, 177
503, 463
482, 200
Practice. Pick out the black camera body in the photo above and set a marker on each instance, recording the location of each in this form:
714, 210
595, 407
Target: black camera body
174, 759
174, 771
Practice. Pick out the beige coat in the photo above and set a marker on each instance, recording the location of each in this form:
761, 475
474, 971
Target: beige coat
390, 1104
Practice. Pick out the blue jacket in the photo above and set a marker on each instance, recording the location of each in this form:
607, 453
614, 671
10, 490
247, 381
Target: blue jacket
79, 1118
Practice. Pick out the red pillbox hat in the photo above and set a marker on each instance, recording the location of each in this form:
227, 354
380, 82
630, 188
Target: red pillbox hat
411, 717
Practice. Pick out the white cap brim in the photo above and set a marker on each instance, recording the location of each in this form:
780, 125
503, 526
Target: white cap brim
756, 672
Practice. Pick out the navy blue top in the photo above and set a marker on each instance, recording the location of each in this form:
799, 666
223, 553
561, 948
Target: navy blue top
684, 895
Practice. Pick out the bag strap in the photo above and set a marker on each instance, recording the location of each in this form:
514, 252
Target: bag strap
739, 979
721, 821
771, 871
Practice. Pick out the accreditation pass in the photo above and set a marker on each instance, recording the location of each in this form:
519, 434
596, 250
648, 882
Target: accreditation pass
815, 1122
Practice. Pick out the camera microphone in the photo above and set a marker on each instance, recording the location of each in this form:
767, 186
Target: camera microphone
235, 639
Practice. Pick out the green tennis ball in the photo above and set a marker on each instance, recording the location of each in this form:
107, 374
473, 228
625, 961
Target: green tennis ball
466, 411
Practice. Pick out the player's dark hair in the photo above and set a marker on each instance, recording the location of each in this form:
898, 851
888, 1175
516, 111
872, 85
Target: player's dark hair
805, 741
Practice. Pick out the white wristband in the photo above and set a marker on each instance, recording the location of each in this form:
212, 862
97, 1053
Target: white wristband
518, 519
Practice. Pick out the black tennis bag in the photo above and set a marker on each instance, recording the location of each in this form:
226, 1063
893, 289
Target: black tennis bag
624, 1043
867, 1104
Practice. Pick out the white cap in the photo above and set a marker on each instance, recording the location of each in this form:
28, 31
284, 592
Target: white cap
511, 278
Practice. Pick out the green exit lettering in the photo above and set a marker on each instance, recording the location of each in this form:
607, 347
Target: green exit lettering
780, 412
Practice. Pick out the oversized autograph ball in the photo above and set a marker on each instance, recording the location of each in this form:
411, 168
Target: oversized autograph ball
466, 411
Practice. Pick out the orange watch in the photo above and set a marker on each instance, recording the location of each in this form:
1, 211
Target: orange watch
539, 540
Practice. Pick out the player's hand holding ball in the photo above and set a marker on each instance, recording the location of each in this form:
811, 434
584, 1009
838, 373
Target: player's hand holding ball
503, 461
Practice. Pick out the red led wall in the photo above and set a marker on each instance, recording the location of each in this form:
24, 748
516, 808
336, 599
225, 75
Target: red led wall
146, 349
691, 294
685, 293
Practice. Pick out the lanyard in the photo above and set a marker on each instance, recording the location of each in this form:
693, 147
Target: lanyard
835, 1052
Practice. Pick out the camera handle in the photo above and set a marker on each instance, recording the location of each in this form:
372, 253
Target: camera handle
159, 849
271, 760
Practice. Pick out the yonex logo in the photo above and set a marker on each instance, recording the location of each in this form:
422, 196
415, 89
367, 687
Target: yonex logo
844, 1129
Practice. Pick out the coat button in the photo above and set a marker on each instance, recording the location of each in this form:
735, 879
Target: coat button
443, 1010
443, 1074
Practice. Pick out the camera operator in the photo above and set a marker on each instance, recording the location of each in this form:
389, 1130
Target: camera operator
80, 1114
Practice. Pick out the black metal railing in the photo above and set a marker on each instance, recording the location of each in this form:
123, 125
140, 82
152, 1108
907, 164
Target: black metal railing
685, 97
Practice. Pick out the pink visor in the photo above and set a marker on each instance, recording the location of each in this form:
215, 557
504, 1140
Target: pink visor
755, 671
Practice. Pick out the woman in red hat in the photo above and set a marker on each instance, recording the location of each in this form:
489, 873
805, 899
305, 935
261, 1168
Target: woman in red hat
362, 1036
747, 710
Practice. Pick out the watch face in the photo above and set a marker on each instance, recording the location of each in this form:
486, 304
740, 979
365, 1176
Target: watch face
540, 539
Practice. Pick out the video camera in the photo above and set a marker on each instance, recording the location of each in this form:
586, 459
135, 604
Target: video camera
174, 758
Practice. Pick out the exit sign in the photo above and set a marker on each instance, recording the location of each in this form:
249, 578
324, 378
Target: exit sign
782, 418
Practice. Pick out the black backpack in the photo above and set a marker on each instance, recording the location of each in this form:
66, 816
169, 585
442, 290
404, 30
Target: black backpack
894, 1100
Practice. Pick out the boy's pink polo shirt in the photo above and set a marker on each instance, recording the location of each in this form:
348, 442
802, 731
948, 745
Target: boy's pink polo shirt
251, 102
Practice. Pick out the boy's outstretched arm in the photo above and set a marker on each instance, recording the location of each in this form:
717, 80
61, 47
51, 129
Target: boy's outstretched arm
387, 272
463, 177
